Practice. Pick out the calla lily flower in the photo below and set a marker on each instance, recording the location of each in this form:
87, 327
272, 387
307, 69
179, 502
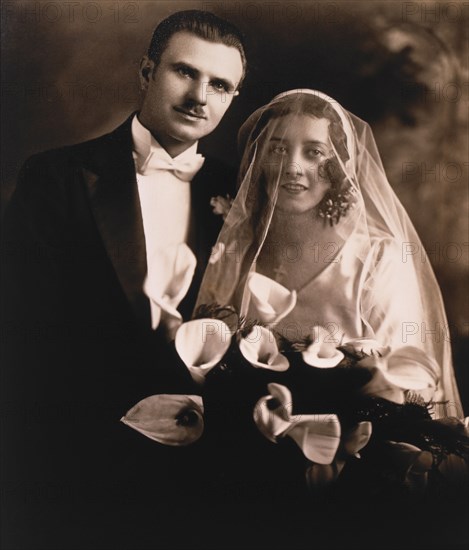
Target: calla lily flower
260, 348
319, 475
175, 420
167, 283
356, 438
317, 435
272, 413
412, 462
271, 300
407, 368
368, 346
321, 353
411, 458
455, 470
201, 344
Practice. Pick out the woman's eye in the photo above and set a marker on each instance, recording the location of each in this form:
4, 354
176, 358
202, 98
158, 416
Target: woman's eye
279, 149
313, 153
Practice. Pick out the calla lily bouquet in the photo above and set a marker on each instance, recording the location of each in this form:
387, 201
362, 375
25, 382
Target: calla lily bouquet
334, 405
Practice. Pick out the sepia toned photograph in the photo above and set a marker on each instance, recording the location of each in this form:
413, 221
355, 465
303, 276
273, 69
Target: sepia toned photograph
234, 265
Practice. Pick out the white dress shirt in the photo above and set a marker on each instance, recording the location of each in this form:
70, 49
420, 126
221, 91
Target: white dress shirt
165, 199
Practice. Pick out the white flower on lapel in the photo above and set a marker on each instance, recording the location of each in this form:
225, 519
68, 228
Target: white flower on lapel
201, 344
260, 348
221, 205
175, 420
321, 353
407, 368
271, 300
318, 435
168, 281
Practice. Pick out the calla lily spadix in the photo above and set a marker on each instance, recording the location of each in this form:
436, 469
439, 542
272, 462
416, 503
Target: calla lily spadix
272, 301
169, 278
174, 420
201, 344
260, 348
318, 435
321, 353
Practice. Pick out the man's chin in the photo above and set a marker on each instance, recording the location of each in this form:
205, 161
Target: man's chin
189, 133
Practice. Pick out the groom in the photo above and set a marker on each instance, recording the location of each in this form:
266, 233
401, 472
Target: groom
79, 237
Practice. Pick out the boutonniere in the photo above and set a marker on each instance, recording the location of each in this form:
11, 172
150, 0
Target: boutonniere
221, 205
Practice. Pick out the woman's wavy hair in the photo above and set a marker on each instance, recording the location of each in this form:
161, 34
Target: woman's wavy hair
255, 133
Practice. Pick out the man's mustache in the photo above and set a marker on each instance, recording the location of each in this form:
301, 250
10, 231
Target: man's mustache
193, 108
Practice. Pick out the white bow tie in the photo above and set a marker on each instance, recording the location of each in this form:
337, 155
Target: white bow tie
184, 169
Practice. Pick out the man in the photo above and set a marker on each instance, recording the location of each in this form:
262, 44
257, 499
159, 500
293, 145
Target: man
85, 226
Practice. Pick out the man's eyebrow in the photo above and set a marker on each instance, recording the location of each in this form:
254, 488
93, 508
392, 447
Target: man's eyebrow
227, 83
179, 64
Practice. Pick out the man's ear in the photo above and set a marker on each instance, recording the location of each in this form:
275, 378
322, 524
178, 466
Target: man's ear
146, 68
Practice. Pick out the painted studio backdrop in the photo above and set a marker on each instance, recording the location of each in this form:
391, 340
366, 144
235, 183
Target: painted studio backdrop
69, 73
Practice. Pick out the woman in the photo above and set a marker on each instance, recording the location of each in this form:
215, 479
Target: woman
316, 214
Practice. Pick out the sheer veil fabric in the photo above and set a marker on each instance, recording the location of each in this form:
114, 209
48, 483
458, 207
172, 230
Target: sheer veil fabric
351, 257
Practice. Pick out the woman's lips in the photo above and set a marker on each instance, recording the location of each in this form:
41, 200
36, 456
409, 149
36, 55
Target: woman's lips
294, 188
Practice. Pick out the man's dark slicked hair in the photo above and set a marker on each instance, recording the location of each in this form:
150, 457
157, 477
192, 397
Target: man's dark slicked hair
203, 24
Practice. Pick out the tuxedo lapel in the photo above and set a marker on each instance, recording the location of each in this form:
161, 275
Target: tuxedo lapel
214, 179
109, 172
110, 178
199, 223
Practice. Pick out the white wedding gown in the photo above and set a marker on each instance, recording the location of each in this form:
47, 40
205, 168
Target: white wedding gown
373, 287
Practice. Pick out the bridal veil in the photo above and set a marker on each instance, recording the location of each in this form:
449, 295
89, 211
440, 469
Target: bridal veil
371, 282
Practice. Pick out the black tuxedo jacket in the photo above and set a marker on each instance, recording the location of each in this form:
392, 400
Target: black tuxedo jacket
78, 348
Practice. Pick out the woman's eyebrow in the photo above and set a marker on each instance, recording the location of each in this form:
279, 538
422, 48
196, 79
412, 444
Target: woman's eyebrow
308, 141
316, 142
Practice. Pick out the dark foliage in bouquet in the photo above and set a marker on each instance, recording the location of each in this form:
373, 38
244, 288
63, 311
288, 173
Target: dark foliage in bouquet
318, 413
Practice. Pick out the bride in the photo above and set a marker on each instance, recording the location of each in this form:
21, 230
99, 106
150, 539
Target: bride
315, 214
